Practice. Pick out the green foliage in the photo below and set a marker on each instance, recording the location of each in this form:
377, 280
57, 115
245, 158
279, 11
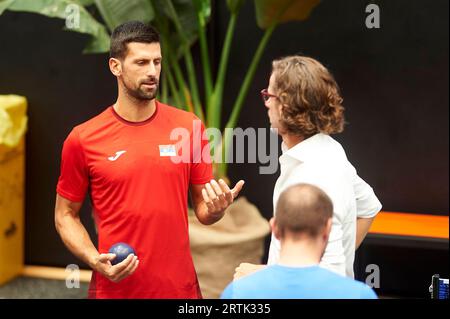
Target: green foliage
181, 24
269, 12
116, 12
58, 9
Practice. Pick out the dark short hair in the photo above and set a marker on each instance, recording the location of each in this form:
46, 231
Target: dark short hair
303, 209
131, 31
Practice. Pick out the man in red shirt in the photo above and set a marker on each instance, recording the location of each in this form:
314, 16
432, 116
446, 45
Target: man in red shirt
139, 193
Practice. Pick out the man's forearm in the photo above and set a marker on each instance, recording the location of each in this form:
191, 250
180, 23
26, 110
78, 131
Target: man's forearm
362, 228
76, 238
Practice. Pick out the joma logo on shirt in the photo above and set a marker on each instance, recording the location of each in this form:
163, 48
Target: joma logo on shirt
115, 157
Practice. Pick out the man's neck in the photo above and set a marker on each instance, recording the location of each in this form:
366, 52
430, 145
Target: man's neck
134, 110
291, 140
300, 253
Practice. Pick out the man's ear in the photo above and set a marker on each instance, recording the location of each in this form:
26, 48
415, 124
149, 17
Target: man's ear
280, 109
327, 229
275, 229
115, 66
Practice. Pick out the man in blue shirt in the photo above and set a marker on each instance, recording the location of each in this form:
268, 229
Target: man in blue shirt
302, 223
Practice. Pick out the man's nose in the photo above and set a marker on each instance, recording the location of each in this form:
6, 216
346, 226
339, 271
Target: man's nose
151, 70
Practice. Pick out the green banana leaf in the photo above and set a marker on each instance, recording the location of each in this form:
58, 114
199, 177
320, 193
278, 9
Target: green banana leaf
268, 11
85, 3
116, 12
4, 4
183, 27
99, 41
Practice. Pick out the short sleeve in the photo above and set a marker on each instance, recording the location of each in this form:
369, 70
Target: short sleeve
74, 178
367, 203
201, 164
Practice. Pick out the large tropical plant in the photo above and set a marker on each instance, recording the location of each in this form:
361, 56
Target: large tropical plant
181, 24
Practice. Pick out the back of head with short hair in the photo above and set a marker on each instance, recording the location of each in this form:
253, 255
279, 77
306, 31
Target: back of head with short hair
303, 209
131, 31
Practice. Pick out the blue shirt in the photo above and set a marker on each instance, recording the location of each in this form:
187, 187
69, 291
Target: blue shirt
281, 282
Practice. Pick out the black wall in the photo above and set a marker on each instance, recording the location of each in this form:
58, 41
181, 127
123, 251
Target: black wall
394, 81
63, 88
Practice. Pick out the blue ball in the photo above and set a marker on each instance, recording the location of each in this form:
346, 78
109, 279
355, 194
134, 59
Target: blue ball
121, 250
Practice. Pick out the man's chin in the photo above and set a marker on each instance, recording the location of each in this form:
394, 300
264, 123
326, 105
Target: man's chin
145, 98
147, 95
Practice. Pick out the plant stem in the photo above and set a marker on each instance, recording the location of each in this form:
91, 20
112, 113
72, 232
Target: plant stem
223, 167
188, 60
193, 84
164, 90
207, 74
173, 64
174, 89
215, 107
249, 77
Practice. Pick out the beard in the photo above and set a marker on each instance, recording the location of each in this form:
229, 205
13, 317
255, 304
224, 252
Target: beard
143, 92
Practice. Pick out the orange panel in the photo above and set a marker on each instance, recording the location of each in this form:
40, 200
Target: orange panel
408, 224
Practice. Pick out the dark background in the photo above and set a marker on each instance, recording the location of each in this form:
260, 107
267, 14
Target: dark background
394, 81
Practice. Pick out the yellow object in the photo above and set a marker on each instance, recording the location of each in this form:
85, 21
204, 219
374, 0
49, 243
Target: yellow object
13, 123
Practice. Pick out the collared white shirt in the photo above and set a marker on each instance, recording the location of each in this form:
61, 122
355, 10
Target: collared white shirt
321, 161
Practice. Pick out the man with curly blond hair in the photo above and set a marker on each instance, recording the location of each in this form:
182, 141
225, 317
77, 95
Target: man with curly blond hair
304, 106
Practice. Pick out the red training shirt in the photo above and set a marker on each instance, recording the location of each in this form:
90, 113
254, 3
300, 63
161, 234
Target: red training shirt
139, 196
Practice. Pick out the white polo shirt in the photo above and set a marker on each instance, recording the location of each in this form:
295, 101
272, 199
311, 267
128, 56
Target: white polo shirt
321, 161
